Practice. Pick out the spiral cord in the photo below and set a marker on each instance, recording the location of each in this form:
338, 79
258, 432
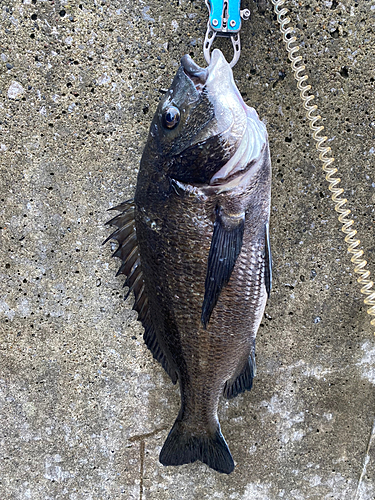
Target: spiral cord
327, 160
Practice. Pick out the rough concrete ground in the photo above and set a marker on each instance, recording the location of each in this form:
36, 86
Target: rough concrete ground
84, 407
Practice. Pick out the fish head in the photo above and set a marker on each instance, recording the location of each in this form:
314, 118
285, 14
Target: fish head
202, 122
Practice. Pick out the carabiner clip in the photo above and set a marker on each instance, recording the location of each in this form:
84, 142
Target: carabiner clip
224, 20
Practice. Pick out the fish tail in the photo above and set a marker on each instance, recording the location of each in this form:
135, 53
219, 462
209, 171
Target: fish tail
183, 446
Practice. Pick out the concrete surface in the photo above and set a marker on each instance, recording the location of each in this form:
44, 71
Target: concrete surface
84, 408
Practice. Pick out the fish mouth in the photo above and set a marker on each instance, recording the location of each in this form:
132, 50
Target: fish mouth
196, 74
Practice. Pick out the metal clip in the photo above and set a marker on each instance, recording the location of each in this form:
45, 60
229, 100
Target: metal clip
224, 20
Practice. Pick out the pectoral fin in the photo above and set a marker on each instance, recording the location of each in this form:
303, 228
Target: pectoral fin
225, 247
268, 262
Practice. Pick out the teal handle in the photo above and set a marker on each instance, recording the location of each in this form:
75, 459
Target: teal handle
233, 13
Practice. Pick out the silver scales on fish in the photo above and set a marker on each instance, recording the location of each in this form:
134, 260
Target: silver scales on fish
194, 242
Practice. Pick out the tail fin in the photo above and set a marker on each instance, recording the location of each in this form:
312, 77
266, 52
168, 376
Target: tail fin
184, 447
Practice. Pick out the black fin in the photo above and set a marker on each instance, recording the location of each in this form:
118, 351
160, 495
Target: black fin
244, 381
184, 447
225, 247
268, 263
127, 251
152, 343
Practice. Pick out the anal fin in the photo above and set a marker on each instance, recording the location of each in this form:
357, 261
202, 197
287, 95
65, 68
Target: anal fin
225, 247
128, 252
244, 381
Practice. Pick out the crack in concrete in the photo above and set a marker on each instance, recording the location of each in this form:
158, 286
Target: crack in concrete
141, 439
141, 468
365, 461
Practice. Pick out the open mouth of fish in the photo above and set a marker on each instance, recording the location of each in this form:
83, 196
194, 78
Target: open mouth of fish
252, 140
196, 74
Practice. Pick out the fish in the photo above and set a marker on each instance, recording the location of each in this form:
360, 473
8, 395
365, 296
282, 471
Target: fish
195, 250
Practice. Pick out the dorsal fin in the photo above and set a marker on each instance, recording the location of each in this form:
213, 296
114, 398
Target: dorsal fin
128, 252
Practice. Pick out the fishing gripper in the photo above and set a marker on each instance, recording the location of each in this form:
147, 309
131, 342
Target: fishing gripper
224, 20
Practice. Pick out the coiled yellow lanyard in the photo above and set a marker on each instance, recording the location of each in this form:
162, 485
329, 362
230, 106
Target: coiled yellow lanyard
347, 224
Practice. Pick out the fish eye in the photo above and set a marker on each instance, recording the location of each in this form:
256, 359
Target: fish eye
171, 117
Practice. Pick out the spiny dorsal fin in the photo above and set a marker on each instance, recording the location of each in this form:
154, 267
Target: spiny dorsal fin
225, 247
128, 252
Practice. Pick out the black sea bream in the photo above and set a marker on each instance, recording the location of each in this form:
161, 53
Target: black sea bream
195, 250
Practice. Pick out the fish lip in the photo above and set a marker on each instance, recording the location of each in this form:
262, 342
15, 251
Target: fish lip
196, 74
